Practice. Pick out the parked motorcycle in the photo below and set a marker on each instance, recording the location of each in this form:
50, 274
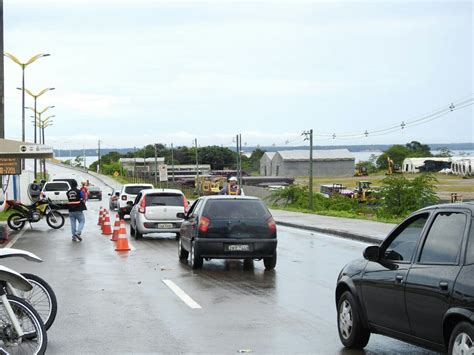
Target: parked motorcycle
21, 329
33, 213
41, 296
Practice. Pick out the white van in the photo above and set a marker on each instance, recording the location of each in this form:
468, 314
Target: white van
56, 192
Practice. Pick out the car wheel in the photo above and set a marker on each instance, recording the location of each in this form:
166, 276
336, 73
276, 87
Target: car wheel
138, 235
351, 330
462, 339
182, 253
270, 262
196, 259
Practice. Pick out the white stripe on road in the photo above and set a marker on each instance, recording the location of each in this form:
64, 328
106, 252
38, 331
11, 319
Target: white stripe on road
181, 294
15, 238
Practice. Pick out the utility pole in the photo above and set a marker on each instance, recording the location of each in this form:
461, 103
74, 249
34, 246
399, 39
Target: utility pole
156, 167
197, 166
172, 161
98, 165
240, 160
309, 136
238, 156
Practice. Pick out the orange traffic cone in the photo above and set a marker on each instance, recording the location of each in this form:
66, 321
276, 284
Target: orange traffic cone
122, 241
104, 213
99, 223
106, 229
116, 228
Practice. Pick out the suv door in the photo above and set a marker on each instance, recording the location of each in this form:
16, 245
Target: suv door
432, 276
383, 282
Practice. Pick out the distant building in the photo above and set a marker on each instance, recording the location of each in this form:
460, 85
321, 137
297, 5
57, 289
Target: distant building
266, 164
141, 165
335, 162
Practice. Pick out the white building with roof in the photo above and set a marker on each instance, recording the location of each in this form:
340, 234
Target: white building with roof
266, 164
334, 162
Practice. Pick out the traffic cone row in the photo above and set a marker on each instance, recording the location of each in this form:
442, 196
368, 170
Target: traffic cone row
119, 233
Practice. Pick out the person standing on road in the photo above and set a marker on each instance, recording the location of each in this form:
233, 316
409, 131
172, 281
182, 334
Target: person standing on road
232, 188
76, 208
85, 190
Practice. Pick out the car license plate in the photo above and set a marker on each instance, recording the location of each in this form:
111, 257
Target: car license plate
165, 225
237, 247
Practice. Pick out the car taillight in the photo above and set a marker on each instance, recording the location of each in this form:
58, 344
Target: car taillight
272, 225
124, 197
186, 204
142, 208
204, 224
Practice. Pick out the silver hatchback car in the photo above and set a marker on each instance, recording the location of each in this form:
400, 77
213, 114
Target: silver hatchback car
156, 211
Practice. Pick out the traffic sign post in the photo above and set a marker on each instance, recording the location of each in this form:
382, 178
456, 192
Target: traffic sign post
10, 166
163, 172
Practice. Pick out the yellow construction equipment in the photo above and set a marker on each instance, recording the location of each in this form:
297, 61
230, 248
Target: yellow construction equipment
364, 192
210, 185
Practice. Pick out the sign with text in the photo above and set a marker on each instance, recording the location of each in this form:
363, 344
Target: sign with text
10, 166
163, 172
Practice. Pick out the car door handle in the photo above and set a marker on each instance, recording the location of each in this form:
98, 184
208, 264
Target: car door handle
399, 279
443, 285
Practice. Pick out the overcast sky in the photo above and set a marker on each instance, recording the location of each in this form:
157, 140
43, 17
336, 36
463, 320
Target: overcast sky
136, 72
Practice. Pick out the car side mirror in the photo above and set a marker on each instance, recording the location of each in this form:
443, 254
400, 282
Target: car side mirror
372, 253
180, 215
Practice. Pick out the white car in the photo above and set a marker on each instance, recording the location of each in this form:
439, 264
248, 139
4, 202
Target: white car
157, 211
128, 193
56, 192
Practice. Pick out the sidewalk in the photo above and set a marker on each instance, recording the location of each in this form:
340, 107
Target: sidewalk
358, 229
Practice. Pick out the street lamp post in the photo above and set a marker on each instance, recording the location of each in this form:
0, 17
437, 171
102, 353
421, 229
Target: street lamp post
23, 66
38, 113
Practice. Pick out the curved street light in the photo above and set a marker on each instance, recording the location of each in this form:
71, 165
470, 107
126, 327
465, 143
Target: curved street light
23, 65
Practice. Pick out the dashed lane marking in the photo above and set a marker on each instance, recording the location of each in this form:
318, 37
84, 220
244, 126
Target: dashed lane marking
181, 294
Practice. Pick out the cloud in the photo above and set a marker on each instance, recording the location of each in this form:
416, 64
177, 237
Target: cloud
98, 105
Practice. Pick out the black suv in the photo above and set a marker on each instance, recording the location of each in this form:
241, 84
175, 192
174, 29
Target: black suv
228, 227
417, 286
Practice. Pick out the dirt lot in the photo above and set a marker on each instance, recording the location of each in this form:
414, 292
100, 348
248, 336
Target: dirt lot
446, 185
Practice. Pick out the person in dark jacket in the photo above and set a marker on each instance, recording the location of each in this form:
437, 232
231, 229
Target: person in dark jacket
76, 206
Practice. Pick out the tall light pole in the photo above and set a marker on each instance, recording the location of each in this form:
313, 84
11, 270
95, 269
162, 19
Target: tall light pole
23, 66
309, 136
2, 80
35, 98
38, 113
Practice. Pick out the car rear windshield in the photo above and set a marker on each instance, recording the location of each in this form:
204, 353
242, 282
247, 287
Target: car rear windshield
56, 186
164, 200
134, 190
236, 209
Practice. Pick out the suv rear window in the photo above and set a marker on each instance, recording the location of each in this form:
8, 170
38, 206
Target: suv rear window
56, 186
134, 190
236, 209
164, 200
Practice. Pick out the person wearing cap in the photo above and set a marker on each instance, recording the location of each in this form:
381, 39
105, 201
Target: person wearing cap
231, 188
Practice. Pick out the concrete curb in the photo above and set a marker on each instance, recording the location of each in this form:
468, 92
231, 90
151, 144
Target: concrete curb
334, 232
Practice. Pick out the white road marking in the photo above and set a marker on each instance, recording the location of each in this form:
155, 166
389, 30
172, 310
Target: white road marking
181, 294
15, 238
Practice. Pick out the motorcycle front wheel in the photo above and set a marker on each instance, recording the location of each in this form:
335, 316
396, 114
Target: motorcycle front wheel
55, 219
14, 221
34, 340
41, 297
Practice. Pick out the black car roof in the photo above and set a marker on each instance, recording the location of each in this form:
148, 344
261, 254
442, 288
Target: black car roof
228, 197
465, 205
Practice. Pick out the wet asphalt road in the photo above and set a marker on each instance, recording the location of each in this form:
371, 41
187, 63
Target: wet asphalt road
113, 302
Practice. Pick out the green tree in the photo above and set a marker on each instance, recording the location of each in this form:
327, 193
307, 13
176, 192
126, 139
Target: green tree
402, 196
